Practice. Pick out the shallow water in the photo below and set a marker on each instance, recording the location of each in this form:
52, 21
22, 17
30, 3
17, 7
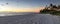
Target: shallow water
30, 19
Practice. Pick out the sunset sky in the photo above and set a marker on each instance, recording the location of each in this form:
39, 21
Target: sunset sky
25, 5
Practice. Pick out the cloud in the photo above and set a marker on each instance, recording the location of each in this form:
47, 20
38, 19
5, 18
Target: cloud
6, 3
2, 4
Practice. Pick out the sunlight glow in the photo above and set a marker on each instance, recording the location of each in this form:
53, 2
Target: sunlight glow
12, 9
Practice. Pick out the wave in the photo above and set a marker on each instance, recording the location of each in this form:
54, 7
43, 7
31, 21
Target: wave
21, 13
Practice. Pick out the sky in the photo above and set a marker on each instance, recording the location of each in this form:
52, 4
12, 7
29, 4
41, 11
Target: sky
25, 5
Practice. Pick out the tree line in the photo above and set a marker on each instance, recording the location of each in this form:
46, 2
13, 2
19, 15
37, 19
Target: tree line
51, 9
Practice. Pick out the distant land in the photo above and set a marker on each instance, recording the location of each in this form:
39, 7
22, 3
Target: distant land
51, 9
